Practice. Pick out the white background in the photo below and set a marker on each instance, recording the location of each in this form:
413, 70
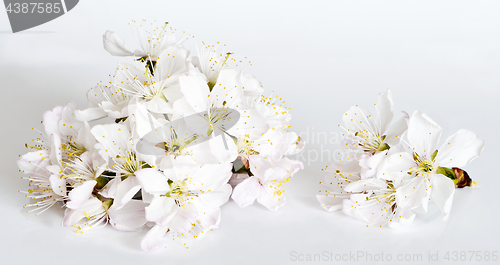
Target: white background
442, 57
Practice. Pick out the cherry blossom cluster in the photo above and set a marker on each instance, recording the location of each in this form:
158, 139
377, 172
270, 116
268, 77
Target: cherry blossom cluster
389, 173
163, 145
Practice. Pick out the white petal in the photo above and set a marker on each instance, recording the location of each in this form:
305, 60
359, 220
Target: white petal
158, 105
250, 124
366, 185
32, 161
147, 197
395, 166
411, 194
397, 131
109, 191
51, 120
459, 149
423, 134
228, 89
422, 209
406, 217
370, 164
371, 211
270, 200
359, 119
348, 167
73, 216
211, 177
246, 192
69, 125
171, 63
115, 111
80, 194
126, 191
296, 143
161, 210
130, 217
402, 217
90, 114
220, 152
115, 45
397, 149
148, 126
273, 143
251, 86
237, 178
268, 169
152, 181
155, 238
217, 197
58, 184
56, 149
331, 203
185, 216
196, 91
54, 170
114, 139
443, 190
86, 138
384, 109
209, 218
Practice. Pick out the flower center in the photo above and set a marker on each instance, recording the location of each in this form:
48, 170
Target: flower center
425, 166
128, 165
135, 87
152, 89
245, 148
369, 142
73, 149
385, 196
216, 118
179, 191
177, 147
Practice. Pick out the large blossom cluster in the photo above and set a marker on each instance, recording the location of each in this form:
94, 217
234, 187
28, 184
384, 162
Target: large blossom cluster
176, 136
385, 179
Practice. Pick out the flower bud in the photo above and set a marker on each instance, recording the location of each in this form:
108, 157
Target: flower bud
462, 178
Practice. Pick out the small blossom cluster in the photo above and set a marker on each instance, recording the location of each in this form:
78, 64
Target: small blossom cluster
164, 144
390, 172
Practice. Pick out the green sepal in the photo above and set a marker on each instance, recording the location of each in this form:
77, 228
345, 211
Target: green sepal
121, 119
107, 203
108, 173
210, 86
384, 147
448, 172
162, 96
101, 182
168, 194
433, 156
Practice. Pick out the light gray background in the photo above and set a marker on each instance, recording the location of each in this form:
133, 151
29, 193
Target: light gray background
442, 57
